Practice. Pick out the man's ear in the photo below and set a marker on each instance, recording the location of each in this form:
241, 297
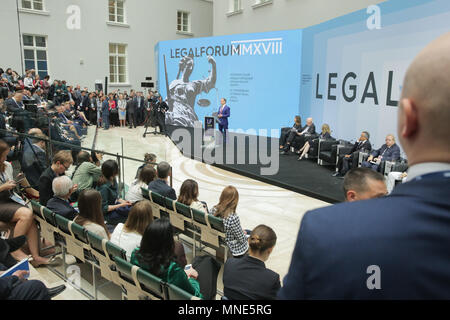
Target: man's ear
351, 196
410, 118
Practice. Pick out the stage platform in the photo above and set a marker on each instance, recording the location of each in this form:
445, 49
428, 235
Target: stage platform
248, 154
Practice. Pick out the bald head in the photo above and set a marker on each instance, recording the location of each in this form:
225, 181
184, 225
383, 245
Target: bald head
424, 110
309, 121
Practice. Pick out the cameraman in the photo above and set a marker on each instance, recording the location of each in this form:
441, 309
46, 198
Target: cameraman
160, 108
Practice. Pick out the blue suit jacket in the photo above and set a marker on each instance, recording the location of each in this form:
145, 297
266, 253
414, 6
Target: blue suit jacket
225, 114
391, 154
406, 234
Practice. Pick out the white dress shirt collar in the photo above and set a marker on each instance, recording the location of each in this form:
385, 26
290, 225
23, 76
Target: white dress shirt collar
426, 168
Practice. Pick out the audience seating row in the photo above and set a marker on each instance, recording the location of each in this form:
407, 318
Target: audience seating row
197, 225
100, 254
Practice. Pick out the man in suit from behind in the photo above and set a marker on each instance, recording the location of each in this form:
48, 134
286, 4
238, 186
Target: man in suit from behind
350, 160
389, 151
131, 111
393, 247
160, 185
223, 115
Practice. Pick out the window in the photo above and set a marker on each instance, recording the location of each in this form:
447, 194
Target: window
33, 4
118, 63
236, 5
116, 11
183, 21
35, 53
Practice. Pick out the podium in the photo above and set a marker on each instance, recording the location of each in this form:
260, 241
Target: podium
210, 127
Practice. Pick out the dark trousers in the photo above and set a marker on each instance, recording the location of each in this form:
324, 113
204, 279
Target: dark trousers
345, 164
140, 116
105, 121
131, 119
290, 139
161, 123
367, 164
298, 142
29, 290
120, 215
208, 270
223, 130
284, 135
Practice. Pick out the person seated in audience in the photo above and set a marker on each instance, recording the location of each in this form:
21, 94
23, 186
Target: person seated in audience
86, 173
393, 177
129, 235
60, 164
114, 209
14, 211
90, 214
297, 139
66, 123
146, 175
63, 188
34, 159
97, 158
160, 185
189, 196
156, 254
150, 159
248, 278
5, 136
235, 236
363, 184
349, 160
389, 151
15, 103
16, 286
325, 134
288, 131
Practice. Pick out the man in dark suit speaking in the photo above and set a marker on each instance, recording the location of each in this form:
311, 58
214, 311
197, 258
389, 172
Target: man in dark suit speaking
394, 247
223, 115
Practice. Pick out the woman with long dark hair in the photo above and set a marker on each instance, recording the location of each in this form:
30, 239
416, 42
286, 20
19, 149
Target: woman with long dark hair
114, 209
189, 195
157, 255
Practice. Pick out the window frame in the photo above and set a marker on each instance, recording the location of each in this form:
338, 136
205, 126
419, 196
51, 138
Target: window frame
115, 66
124, 15
36, 48
189, 27
33, 5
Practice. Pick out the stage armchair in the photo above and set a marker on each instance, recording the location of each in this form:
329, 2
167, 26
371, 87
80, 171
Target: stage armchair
327, 152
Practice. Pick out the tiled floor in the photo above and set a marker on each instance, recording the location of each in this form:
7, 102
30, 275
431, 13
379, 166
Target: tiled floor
260, 203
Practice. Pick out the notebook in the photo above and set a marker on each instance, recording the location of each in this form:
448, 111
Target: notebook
21, 265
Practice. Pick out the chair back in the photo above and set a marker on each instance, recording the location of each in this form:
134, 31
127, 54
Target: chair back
176, 293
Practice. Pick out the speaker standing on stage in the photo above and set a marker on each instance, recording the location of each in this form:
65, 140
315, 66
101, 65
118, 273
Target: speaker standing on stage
223, 114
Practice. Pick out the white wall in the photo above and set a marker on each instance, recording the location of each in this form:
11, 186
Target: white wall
281, 14
149, 22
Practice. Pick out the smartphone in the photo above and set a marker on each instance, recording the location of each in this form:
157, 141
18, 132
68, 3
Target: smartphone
188, 266
20, 177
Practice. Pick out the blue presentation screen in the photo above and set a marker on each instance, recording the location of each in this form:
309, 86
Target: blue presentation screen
258, 74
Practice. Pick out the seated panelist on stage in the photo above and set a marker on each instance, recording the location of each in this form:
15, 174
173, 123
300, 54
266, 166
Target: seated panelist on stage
325, 134
223, 115
287, 131
348, 161
389, 151
297, 140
